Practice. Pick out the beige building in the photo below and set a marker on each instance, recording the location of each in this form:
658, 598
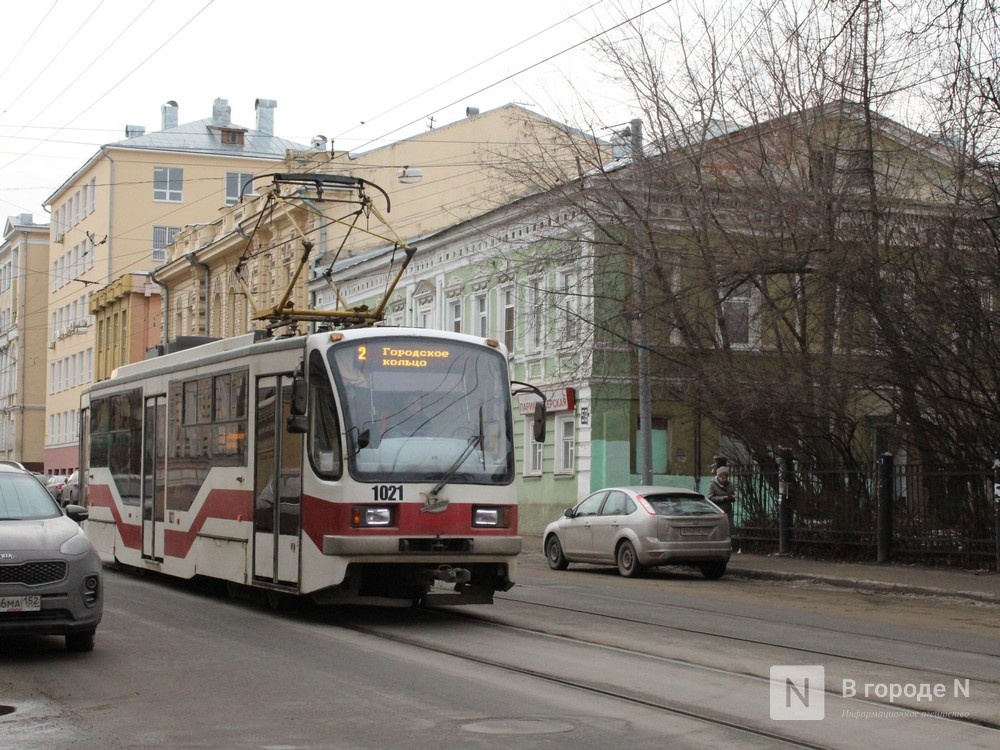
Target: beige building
24, 261
437, 179
116, 215
128, 319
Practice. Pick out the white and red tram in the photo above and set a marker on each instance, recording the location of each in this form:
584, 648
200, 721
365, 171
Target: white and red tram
366, 465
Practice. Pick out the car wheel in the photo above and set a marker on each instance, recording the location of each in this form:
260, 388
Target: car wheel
713, 570
554, 554
628, 562
80, 642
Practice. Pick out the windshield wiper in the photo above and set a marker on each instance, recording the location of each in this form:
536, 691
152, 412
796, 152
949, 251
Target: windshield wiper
435, 505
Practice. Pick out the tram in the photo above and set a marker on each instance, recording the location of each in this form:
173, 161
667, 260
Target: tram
371, 465
354, 463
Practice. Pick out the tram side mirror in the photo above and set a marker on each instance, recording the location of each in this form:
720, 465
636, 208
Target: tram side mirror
538, 423
299, 396
298, 422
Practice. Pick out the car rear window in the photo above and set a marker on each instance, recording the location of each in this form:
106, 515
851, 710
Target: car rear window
680, 505
22, 497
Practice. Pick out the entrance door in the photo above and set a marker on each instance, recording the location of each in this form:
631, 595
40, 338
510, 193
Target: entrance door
277, 484
154, 475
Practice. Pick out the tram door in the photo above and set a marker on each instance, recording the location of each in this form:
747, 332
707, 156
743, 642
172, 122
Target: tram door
154, 476
277, 485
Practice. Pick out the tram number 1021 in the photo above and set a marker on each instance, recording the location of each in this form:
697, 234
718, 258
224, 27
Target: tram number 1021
387, 493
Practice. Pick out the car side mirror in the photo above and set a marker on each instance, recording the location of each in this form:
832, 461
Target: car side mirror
570, 513
77, 512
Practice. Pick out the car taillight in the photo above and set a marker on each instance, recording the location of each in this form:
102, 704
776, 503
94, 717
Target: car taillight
645, 505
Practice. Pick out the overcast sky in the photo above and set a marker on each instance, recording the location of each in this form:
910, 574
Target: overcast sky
73, 73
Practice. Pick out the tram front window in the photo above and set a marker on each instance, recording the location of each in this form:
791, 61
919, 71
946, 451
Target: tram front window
413, 408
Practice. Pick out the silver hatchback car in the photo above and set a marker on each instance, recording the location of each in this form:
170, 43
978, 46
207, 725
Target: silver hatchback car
50, 574
640, 527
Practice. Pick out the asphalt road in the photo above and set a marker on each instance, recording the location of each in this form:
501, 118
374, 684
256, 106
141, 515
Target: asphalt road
574, 659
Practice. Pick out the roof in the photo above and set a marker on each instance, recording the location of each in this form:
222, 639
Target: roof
203, 137
198, 137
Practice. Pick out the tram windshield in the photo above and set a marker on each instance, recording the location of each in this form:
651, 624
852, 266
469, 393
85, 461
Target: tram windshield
424, 410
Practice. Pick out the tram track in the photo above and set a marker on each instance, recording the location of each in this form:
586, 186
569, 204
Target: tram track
753, 641
590, 688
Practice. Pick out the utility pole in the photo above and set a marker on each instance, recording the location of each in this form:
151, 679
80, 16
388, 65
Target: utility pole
641, 325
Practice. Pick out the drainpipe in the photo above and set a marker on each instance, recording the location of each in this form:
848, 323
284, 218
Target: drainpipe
164, 306
21, 343
208, 289
111, 215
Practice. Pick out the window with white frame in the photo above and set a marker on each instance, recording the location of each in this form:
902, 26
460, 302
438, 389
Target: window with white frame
163, 236
482, 321
168, 184
93, 194
565, 444
237, 184
455, 312
568, 305
532, 451
425, 312
508, 318
535, 316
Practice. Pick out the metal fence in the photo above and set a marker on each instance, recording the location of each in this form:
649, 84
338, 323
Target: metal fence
938, 516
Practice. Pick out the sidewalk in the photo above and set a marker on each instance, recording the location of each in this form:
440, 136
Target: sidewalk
983, 586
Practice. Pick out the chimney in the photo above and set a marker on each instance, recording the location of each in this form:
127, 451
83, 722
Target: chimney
169, 113
221, 112
131, 131
265, 115
26, 219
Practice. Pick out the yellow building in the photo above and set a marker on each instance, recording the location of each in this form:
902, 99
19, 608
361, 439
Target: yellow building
116, 215
434, 180
23, 263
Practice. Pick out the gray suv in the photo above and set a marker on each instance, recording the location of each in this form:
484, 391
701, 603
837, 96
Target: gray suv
51, 581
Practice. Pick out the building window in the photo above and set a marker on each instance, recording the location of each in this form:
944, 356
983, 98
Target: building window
736, 313
482, 318
456, 316
425, 313
508, 319
566, 444
569, 306
236, 184
163, 236
532, 451
535, 320
168, 184
233, 137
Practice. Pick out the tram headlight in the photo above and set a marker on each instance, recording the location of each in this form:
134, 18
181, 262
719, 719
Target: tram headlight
491, 516
370, 515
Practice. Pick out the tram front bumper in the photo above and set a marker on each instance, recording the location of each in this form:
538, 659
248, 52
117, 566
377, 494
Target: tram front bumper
394, 546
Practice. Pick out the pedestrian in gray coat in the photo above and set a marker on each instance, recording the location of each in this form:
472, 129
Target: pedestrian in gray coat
720, 492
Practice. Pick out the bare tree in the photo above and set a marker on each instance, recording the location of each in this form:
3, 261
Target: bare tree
817, 270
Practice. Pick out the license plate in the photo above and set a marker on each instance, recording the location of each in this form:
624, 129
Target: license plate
20, 603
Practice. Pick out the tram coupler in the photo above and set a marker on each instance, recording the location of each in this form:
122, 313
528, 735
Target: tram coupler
448, 574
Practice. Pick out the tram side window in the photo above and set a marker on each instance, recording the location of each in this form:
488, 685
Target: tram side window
324, 428
208, 427
114, 421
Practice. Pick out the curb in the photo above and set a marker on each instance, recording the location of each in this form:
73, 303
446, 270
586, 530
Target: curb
862, 584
